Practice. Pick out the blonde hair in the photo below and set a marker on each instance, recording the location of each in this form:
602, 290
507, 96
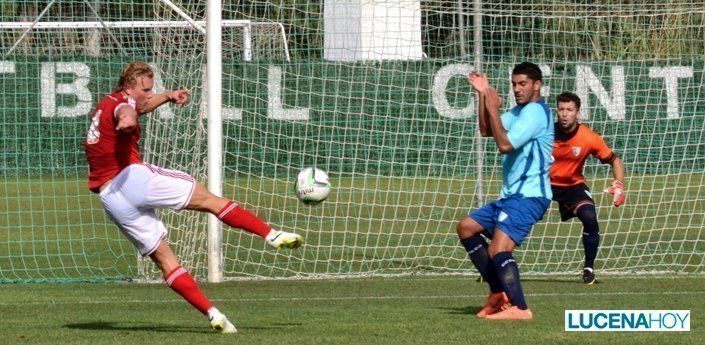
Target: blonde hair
129, 74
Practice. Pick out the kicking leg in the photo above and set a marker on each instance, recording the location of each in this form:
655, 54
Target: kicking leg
234, 215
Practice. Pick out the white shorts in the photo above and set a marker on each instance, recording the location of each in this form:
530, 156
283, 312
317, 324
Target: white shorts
134, 194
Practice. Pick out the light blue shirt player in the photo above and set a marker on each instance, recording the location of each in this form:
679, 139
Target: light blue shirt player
525, 170
526, 189
524, 136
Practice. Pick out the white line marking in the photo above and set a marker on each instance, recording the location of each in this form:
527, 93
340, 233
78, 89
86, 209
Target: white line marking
346, 298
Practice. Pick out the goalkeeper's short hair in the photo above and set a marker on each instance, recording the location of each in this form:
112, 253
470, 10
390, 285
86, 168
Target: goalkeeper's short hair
569, 97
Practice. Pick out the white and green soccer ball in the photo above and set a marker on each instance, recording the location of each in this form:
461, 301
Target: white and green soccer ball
312, 186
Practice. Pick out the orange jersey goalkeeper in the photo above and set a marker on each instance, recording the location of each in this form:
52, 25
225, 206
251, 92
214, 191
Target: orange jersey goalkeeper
574, 143
570, 151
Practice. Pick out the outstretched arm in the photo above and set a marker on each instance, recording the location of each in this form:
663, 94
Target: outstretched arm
175, 96
617, 169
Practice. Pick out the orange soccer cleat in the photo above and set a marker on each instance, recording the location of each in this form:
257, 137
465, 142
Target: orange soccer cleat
495, 301
511, 313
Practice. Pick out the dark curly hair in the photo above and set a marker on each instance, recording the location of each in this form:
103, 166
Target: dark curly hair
569, 97
529, 69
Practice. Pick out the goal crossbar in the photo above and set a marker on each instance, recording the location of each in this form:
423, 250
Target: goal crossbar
244, 23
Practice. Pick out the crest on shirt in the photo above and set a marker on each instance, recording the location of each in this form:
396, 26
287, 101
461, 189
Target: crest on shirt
502, 216
576, 150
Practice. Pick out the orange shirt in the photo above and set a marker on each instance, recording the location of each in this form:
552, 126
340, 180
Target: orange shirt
571, 150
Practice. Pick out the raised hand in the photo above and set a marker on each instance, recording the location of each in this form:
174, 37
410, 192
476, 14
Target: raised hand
478, 81
492, 99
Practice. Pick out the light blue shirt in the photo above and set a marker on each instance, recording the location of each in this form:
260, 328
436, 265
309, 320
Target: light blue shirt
525, 170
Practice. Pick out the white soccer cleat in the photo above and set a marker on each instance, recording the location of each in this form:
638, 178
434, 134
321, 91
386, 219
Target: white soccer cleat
219, 322
282, 239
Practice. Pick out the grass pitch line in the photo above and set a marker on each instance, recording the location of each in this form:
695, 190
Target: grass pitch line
348, 298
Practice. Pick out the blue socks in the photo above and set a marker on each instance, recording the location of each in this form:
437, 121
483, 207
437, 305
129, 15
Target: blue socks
477, 250
508, 275
591, 233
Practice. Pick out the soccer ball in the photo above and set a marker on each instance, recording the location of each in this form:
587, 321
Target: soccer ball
312, 186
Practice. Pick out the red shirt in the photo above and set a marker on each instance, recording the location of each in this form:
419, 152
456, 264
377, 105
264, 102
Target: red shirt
108, 151
571, 150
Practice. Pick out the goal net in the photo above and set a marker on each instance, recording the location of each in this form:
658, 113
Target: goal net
379, 100
58, 60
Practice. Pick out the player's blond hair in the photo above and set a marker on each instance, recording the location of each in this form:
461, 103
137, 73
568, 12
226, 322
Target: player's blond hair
129, 74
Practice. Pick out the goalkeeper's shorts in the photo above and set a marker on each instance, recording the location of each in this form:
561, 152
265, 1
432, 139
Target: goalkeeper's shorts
570, 198
514, 216
133, 195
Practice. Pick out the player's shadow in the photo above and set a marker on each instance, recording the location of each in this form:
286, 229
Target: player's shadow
469, 310
122, 326
548, 279
558, 280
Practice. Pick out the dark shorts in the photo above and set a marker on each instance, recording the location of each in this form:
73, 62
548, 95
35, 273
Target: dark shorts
515, 215
571, 198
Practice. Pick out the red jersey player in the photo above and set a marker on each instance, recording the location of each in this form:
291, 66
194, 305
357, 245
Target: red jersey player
574, 143
130, 189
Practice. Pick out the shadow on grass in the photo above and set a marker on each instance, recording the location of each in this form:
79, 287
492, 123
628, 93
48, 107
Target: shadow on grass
122, 326
548, 279
469, 310
567, 281
278, 325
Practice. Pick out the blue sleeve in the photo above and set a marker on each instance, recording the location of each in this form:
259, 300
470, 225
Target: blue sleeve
531, 121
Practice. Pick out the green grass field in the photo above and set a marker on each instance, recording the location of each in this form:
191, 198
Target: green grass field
53, 231
410, 310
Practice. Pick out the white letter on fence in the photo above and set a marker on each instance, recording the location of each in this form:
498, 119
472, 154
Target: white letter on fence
79, 88
670, 76
586, 80
226, 113
7, 67
48, 94
275, 109
438, 92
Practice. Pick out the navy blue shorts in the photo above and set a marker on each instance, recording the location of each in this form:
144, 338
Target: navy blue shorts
515, 215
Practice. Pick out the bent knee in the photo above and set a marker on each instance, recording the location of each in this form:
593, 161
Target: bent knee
205, 201
468, 227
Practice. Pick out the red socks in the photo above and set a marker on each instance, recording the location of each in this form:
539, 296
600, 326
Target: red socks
181, 281
237, 217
